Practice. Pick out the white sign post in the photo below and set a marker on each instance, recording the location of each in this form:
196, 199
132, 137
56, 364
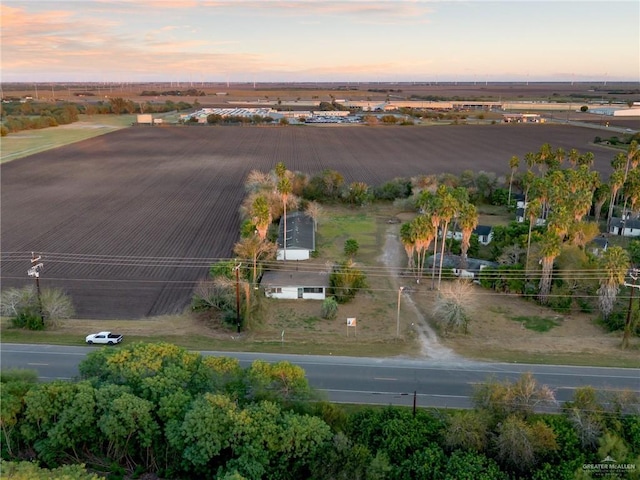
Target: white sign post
351, 322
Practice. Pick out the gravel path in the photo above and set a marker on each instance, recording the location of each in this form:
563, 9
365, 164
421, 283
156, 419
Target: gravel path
394, 258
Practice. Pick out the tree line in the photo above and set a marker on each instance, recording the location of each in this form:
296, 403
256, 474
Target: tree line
156, 408
32, 115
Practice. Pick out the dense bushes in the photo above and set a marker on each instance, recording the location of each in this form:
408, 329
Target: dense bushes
157, 408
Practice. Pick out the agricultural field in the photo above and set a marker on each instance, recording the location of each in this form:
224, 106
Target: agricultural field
128, 222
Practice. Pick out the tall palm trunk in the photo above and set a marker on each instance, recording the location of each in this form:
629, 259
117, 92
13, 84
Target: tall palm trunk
433, 261
444, 236
545, 279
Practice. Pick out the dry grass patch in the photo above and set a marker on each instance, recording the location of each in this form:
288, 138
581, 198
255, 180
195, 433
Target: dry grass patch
495, 333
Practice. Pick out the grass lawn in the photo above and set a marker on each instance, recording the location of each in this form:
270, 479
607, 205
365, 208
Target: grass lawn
28, 142
538, 324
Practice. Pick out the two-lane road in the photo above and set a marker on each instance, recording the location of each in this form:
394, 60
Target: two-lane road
366, 380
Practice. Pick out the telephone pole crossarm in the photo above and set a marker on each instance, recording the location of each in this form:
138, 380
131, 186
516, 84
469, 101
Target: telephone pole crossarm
34, 271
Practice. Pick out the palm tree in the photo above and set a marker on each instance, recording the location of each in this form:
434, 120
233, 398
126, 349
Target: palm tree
284, 189
424, 232
447, 210
586, 159
280, 169
252, 249
573, 157
261, 215
631, 191
514, 163
530, 160
528, 179
560, 221
599, 198
549, 248
616, 181
468, 220
533, 212
614, 264
582, 233
543, 157
408, 239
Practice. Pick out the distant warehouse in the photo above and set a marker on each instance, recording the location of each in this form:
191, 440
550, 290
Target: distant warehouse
522, 118
147, 119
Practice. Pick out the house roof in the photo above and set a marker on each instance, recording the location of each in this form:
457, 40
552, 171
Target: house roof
482, 230
300, 232
628, 223
479, 230
601, 242
453, 261
288, 278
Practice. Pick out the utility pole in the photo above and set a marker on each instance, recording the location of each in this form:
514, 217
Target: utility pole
634, 274
398, 316
34, 272
237, 269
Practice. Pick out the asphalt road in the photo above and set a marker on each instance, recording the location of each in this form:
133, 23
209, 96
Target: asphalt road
366, 380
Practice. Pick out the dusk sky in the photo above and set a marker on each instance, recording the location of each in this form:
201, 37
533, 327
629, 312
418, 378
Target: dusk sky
300, 41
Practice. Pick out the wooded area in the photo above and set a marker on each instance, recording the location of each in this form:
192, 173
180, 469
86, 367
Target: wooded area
156, 408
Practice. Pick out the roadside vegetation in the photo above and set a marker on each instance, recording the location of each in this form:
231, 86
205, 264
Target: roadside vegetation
158, 409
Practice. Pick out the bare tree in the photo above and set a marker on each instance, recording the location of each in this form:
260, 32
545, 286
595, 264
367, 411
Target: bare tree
519, 444
56, 305
314, 210
257, 180
505, 398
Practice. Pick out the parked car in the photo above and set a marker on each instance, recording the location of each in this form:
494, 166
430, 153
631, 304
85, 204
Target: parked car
104, 337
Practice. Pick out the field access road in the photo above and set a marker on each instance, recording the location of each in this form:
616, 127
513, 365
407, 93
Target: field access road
376, 381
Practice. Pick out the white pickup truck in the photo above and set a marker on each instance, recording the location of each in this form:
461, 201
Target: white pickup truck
104, 337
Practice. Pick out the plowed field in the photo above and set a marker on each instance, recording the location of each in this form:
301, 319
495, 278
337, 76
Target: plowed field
127, 222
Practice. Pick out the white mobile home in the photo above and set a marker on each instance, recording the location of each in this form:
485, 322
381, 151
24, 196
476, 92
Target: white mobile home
295, 284
301, 237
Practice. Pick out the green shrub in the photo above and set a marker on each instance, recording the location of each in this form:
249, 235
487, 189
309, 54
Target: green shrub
561, 299
28, 318
614, 321
329, 309
585, 305
18, 375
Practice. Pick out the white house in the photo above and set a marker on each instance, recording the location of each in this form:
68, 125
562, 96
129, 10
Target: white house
301, 237
521, 216
484, 233
295, 284
454, 262
599, 245
626, 228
